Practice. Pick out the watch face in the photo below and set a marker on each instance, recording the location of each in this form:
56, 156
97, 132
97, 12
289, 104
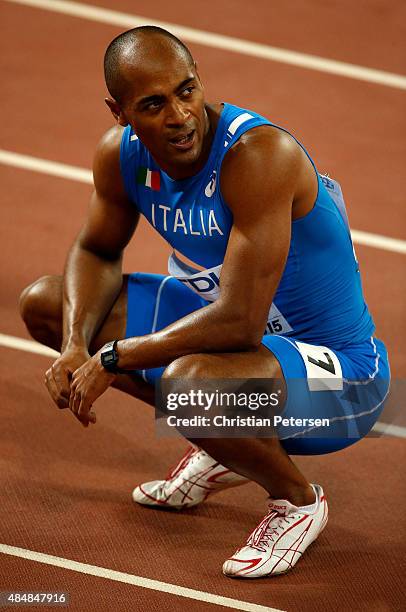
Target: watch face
109, 357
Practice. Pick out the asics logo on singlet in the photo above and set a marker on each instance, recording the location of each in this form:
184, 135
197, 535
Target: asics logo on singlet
211, 187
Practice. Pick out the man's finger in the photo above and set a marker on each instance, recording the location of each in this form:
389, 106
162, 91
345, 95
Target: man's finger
61, 377
82, 414
61, 400
74, 405
84, 409
74, 401
54, 391
72, 396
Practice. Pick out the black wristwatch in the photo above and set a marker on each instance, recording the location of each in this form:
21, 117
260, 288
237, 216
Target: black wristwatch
109, 357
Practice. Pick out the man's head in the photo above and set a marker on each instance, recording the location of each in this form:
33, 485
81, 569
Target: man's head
154, 86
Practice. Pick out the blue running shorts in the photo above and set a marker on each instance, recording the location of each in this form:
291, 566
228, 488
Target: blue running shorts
347, 388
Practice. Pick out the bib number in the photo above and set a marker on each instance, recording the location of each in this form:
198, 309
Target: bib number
276, 324
323, 367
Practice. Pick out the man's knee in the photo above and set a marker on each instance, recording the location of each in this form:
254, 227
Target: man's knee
189, 366
41, 307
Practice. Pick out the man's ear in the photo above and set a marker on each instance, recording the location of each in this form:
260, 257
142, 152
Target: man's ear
116, 111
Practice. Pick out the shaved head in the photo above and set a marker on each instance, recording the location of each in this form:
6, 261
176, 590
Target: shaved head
138, 47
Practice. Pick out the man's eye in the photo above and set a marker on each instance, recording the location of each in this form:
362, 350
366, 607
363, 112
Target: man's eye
153, 105
186, 92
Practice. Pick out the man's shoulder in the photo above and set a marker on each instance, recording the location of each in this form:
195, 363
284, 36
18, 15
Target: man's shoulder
106, 164
263, 144
268, 164
263, 141
109, 144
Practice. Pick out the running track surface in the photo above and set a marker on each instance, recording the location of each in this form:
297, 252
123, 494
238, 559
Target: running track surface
66, 490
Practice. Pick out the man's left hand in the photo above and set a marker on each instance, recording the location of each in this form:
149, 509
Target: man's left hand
88, 382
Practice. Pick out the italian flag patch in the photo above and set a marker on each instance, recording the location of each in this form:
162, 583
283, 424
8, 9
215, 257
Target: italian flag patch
149, 178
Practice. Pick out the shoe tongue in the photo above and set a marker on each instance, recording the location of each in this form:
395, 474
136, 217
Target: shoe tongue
282, 506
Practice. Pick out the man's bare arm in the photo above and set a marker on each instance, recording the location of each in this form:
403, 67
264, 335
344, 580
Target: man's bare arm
261, 177
93, 275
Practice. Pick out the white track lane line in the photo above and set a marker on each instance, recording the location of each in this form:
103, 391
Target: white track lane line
30, 346
390, 430
379, 242
218, 41
74, 173
44, 166
139, 581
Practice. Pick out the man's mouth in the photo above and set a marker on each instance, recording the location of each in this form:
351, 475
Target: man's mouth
183, 141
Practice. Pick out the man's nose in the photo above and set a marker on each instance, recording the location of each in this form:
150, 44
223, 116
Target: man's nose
177, 114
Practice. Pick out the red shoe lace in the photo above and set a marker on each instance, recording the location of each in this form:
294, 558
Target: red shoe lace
264, 532
174, 471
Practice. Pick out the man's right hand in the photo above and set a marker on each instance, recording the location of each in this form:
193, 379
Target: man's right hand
59, 376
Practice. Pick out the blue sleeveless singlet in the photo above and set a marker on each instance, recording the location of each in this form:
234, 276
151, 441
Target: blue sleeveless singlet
319, 298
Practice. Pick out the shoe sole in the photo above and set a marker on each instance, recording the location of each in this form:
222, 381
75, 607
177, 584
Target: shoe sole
162, 505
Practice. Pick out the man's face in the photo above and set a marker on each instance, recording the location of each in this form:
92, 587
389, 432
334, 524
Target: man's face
164, 104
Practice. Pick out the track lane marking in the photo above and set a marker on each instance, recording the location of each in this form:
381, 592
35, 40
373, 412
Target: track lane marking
139, 581
389, 429
379, 242
74, 173
31, 346
219, 41
45, 166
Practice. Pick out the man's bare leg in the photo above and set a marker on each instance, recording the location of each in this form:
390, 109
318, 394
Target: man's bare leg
41, 310
260, 459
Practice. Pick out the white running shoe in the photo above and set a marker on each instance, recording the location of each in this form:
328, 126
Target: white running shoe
280, 539
195, 477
